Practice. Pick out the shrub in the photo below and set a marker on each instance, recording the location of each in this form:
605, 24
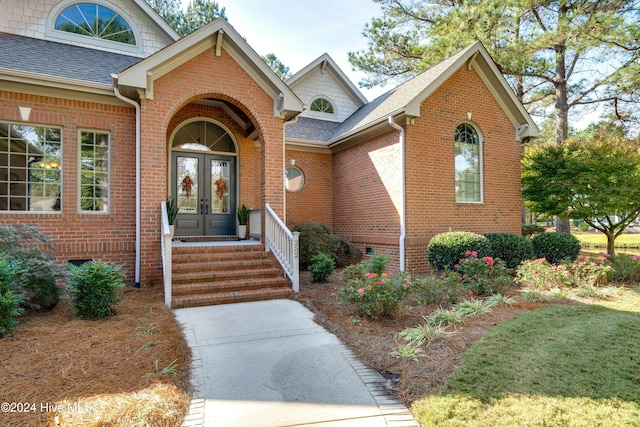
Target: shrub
529, 230
10, 298
447, 249
378, 263
443, 290
376, 296
316, 238
321, 267
352, 272
29, 254
94, 287
555, 247
484, 275
510, 248
625, 268
540, 274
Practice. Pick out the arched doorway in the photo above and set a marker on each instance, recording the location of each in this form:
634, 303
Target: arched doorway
203, 179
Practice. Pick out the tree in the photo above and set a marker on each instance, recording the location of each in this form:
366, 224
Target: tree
278, 67
594, 176
198, 14
563, 55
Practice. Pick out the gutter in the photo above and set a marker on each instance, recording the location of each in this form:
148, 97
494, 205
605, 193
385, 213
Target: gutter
114, 77
403, 220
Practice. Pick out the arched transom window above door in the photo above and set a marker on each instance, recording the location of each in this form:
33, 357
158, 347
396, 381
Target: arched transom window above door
203, 136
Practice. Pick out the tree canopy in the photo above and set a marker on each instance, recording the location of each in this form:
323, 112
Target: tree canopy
277, 66
557, 55
198, 13
594, 176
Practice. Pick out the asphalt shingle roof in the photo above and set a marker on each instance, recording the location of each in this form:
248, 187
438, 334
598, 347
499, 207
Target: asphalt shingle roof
60, 60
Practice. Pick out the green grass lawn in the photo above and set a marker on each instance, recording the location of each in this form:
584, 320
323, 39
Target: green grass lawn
560, 366
626, 240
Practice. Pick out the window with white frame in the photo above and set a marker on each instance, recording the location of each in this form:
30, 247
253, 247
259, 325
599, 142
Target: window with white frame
468, 164
30, 168
322, 105
94, 171
95, 20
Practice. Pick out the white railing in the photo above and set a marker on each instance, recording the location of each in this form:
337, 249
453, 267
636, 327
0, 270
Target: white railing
165, 237
255, 223
284, 244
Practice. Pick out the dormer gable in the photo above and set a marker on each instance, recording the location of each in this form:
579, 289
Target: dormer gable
326, 91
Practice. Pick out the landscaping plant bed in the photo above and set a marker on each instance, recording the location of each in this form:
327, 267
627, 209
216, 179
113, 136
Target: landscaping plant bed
372, 341
128, 369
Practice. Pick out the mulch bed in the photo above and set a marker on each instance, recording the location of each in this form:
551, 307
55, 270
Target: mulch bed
54, 360
371, 341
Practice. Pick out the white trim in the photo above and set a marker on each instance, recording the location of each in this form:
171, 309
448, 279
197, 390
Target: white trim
332, 117
79, 173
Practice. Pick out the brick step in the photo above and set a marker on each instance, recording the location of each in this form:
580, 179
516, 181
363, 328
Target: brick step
232, 264
229, 285
198, 300
217, 249
224, 275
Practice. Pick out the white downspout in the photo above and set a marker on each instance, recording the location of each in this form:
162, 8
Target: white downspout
114, 77
284, 157
403, 220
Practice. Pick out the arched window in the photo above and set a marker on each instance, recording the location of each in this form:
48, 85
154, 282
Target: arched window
203, 136
322, 105
468, 164
94, 20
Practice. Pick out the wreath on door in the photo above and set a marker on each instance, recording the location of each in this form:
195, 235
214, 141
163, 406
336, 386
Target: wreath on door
221, 188
186, 185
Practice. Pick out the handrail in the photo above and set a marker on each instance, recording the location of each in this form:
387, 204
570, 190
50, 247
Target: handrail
165, 237
284, 244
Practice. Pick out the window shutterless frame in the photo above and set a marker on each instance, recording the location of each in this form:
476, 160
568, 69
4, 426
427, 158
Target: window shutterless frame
468, 164
94, 152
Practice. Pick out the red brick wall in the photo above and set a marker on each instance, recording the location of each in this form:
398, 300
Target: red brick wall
363, 211
106, 236
213, 77
431, 205
313, 202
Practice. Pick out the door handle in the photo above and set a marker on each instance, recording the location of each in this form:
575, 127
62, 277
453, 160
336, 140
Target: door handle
201, 205
206, 207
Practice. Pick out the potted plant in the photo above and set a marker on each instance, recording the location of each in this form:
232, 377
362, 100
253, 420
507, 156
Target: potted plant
243, 217
172, 211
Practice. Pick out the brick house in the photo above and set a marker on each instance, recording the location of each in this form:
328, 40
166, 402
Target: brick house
100, 123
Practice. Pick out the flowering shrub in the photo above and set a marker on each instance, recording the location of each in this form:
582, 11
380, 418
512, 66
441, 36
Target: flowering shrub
376, 296
585, 271
482, 275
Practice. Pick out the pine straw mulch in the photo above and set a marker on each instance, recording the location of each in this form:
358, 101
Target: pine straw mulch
57, 369
371, 341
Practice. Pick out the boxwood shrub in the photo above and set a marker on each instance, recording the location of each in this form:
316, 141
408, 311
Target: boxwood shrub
445, 250
316, 238
321, 268
94, 287
512, 249
555, 247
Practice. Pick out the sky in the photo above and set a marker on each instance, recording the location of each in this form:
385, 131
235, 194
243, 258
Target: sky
299, 31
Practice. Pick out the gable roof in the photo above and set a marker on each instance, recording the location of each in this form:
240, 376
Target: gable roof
59, 64
405, 101
324, 61
221, 35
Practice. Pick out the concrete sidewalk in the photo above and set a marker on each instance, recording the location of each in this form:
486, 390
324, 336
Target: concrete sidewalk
268, 364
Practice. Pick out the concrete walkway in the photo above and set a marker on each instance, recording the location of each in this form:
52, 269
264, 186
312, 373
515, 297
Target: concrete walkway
268, 364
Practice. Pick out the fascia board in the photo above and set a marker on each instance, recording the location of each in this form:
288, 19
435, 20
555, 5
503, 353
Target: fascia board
157, 19
59, 90
306, 145
502, 92
54, 82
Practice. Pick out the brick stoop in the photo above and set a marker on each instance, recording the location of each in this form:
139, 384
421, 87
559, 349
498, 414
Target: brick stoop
223, 274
